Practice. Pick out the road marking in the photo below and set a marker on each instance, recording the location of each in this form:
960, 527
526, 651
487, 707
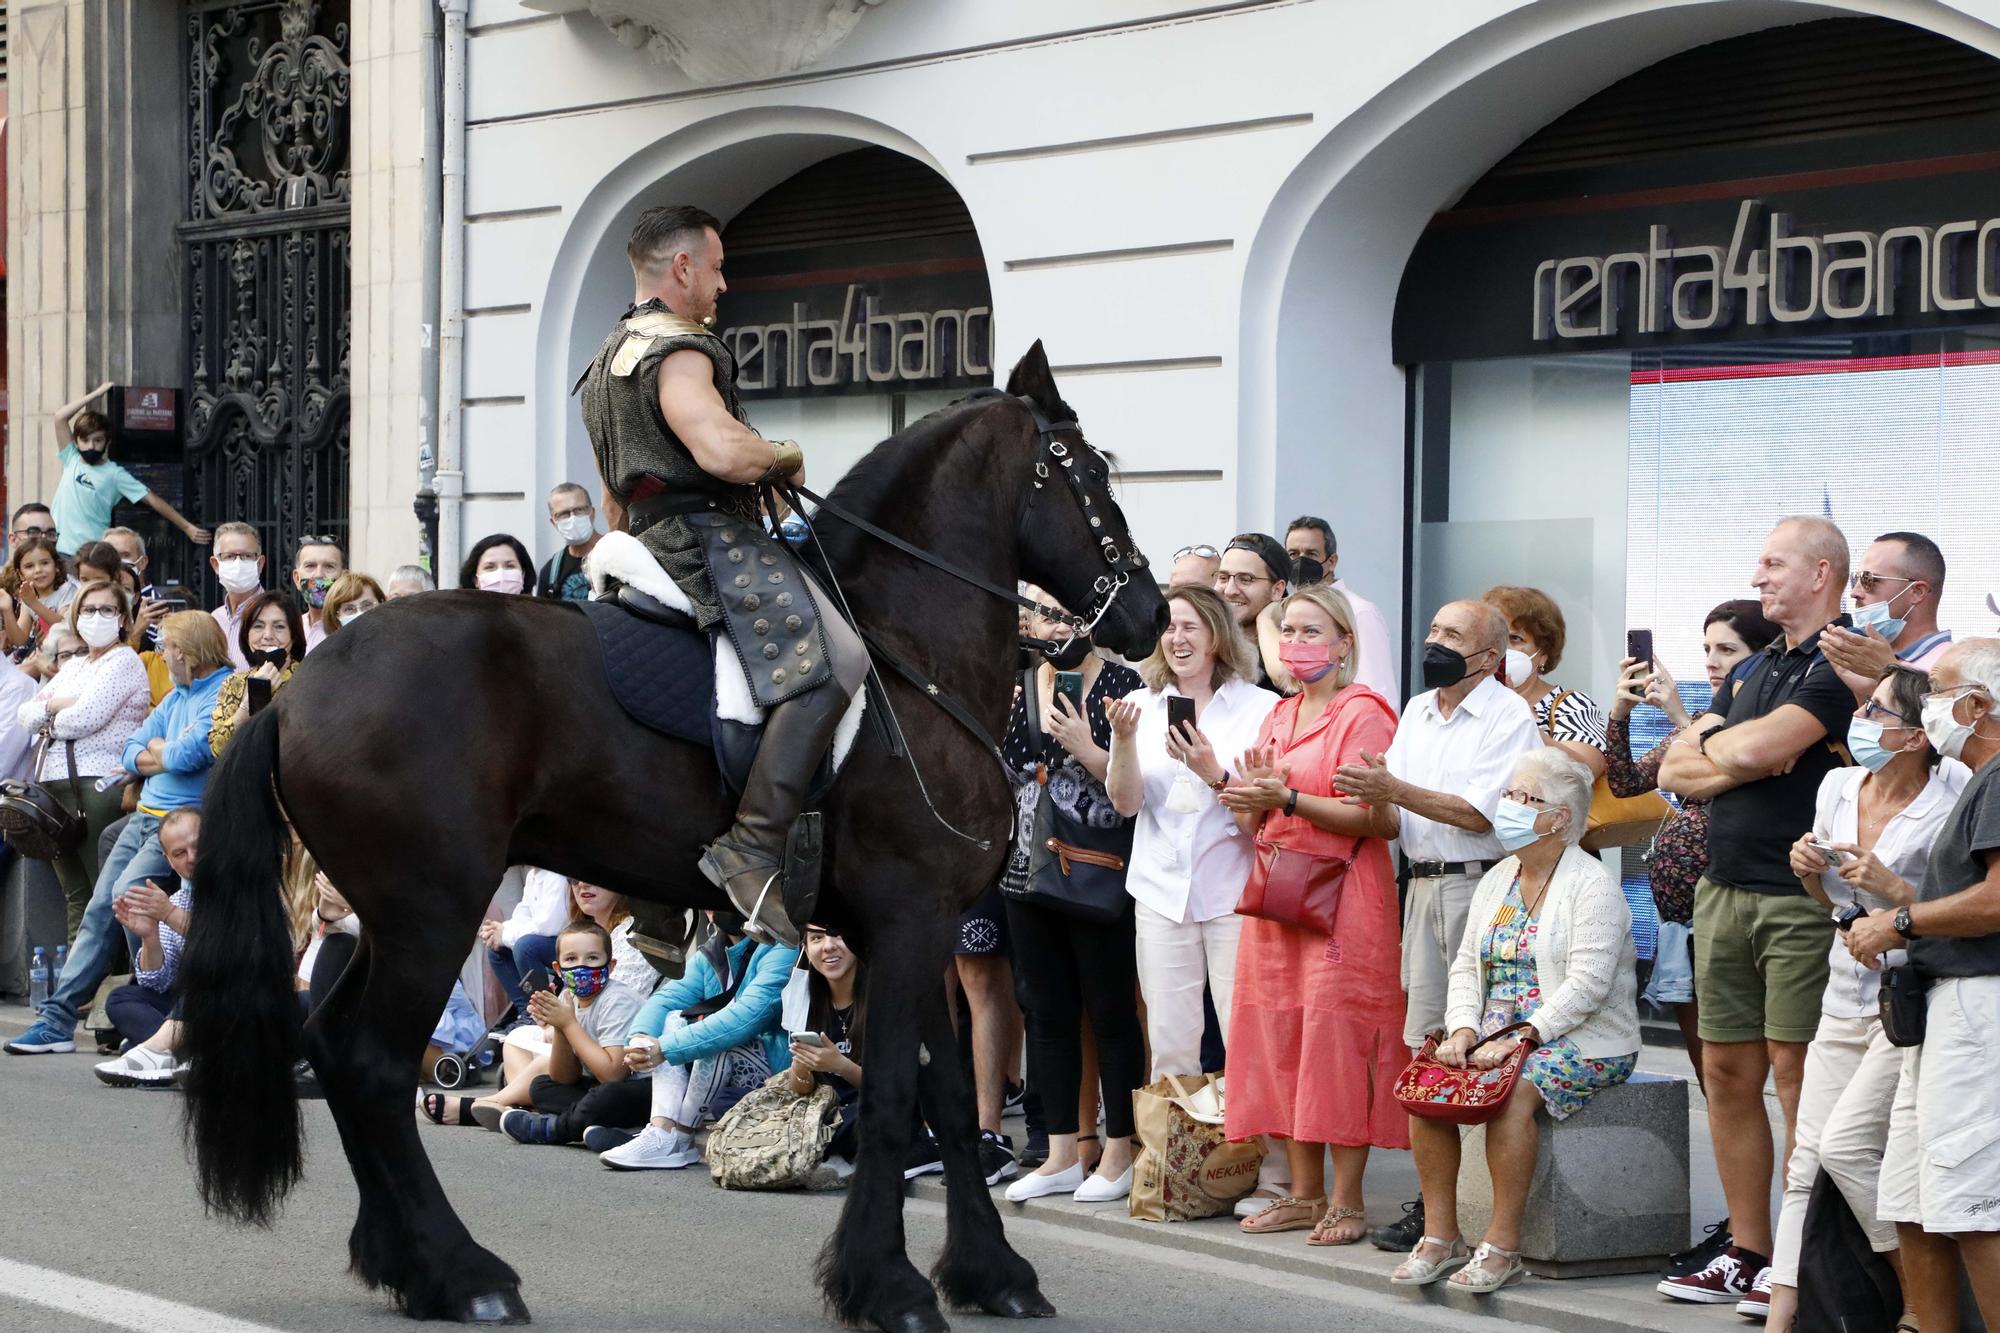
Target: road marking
119, 1307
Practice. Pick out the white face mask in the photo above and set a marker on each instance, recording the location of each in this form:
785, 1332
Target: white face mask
501, 580
99, 631
1947, 734
238, 574
576, 528
1519, 667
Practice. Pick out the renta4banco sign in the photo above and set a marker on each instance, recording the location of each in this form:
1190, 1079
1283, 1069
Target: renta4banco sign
1770, 274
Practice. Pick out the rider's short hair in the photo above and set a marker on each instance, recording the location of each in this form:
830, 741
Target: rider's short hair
661, 233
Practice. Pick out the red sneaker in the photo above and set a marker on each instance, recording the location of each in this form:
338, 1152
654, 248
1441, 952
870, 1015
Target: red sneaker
1729, 1279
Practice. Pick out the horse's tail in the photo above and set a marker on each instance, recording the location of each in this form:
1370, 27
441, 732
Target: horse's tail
240, 1018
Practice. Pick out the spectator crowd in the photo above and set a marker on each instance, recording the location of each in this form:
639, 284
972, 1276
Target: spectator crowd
1821, 912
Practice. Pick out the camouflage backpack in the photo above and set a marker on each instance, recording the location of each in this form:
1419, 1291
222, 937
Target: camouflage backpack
773, 1138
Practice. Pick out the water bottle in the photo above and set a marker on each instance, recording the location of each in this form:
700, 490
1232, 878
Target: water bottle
62, 961
38, 980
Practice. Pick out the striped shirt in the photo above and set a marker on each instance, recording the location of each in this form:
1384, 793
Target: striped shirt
162, 978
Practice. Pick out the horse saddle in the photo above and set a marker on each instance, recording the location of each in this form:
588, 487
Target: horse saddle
661, 670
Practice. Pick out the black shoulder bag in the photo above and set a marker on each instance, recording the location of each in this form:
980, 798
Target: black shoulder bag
1072, 868
35, 822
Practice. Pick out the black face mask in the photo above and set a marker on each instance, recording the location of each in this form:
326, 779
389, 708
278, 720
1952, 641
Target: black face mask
91, 456
268, 656
1071, 654
1443, 668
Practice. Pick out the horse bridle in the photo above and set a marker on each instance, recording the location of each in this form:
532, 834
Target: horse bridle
1054, 458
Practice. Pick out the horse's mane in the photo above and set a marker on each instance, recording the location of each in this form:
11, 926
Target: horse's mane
881, 480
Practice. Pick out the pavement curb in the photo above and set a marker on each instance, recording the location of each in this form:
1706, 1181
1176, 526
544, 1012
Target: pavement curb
1578, 1305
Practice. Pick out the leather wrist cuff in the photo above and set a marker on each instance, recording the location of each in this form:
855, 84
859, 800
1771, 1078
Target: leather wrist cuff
787, 458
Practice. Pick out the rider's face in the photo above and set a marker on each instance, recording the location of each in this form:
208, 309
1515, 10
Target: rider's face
704, 278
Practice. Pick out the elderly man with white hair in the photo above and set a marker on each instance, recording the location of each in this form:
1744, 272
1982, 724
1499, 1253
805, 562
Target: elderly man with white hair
1548, 943
1941, 1169
1438, 787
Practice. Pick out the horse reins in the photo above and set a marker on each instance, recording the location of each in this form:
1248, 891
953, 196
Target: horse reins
1123, 566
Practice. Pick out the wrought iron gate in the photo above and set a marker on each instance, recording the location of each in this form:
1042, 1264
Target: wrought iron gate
266, 240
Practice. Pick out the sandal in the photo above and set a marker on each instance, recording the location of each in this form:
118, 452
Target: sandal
1417, 1271
433, 1105
1268, 1221
1477, 1278
1331, 1229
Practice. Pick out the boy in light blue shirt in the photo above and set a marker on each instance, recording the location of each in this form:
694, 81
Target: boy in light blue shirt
92, 485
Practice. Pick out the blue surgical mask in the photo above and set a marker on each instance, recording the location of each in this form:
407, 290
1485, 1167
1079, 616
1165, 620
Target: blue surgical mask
1876, 616
1514, 824
1864, 742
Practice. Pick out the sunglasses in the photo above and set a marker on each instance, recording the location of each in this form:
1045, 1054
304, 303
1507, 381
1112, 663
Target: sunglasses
1868, 581
1204, 550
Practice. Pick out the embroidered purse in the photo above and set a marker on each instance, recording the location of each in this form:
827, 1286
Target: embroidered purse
1465, 1096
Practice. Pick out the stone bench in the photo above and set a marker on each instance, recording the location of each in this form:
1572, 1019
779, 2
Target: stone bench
32, 912
1610, 1193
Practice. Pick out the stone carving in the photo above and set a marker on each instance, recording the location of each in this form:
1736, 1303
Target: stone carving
726, 43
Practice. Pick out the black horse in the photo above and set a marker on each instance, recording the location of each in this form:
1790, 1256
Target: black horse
422, 751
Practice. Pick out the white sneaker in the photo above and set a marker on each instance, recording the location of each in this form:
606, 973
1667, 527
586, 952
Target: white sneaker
1097, 1189
138, 1068
655, 1149
1036, 1184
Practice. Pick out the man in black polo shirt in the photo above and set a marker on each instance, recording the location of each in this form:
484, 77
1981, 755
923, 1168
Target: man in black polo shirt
1760, 943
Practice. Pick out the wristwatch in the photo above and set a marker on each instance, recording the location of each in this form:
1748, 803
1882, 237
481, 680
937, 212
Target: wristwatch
1291, 800
1901, 921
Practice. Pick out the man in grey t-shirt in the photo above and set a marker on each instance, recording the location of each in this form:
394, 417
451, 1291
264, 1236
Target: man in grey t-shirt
1941, 1166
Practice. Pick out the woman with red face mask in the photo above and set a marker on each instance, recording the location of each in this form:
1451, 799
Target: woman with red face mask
1316, 1035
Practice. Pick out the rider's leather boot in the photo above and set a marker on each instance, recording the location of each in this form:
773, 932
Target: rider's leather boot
748, 862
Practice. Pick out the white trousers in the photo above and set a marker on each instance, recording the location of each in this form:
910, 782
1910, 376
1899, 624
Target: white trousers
1942, 1167
1844, 1100
1176, 959
686, 1094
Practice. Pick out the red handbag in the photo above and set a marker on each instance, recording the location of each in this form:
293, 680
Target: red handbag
1461, 1096
1294, 888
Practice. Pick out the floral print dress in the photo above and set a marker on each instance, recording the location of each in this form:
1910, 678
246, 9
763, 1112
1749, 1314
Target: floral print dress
1561, 1074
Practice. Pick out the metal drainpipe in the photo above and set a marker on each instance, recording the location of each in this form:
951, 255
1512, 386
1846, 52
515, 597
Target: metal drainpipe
449, 481
426, 500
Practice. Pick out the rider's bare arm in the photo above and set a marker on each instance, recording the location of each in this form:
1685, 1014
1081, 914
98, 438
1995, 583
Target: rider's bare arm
724, 447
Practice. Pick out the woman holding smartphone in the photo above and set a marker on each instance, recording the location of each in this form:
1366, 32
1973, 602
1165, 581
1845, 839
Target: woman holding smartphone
1067, 966
1190, 861
273, 641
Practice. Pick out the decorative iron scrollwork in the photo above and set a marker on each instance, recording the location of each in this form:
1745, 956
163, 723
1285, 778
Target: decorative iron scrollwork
275, 138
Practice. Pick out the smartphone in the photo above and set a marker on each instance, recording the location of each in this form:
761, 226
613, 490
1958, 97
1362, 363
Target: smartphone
257, 691
172, 603
1070, 684
1639, 644
808, 1039
1826, 849
538, 978
1180, 712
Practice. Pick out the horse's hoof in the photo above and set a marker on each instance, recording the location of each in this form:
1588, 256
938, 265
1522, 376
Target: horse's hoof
922, 1319
1030, 1304
495, 1307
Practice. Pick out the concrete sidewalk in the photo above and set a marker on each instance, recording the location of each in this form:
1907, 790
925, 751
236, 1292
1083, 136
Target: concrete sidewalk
1581, 1305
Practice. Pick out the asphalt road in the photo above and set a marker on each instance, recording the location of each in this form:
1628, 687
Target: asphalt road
104, 1231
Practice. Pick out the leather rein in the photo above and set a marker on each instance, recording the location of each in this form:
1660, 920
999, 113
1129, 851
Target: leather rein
1055, 457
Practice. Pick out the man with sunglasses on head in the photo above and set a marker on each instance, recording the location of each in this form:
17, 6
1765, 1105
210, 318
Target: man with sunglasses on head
1194, 564
1895, 591
320, 562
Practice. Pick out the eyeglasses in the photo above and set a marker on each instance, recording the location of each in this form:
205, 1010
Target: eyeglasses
1245, 581
1954, 691
1866, 580
1204, 550
562, 514
1523, 797
66, 656
1888, 717
27, 533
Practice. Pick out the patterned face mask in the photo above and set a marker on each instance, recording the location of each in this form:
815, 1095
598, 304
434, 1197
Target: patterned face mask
584, 982
314, 591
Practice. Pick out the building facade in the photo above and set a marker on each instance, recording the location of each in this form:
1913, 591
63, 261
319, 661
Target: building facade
1287, 256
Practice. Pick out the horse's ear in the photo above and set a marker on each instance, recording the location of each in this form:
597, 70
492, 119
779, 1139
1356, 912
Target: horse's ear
1032, 379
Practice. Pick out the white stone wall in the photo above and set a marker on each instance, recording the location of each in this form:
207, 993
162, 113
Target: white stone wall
391, 321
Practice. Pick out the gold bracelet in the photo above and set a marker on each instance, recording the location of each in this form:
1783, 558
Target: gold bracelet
786, 459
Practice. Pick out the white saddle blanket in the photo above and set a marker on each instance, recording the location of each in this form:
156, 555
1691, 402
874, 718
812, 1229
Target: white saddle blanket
619, 556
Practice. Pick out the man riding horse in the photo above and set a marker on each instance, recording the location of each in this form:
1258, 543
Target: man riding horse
685, 473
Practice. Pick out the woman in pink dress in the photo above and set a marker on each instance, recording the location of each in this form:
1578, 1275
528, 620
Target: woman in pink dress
1315, 1037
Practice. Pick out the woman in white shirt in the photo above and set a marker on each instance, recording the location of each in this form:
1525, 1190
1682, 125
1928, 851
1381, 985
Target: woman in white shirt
1548, 943
1190, 861
96, 700
1881, 819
